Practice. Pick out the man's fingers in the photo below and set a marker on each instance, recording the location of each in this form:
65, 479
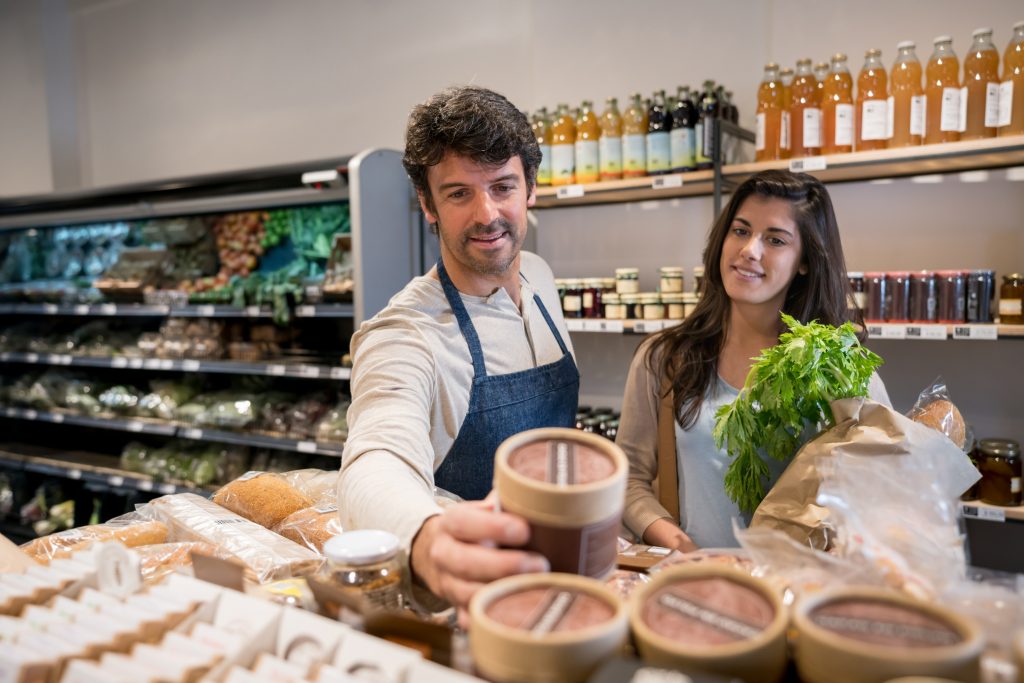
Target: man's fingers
474, 524
482, 564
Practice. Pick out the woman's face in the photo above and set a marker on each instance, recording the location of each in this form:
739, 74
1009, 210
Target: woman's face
762, 253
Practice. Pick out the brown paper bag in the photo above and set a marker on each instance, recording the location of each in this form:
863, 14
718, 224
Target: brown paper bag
864, 429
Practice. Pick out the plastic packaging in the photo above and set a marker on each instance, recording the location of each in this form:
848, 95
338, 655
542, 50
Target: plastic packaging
262, 497
935, 409
158, 560
131, 529
311, 527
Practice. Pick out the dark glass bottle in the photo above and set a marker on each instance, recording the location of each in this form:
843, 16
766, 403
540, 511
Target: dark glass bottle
659, 124
705, 133
684, 119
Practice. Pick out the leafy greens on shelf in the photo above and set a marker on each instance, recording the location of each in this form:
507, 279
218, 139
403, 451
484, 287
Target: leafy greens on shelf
788, 389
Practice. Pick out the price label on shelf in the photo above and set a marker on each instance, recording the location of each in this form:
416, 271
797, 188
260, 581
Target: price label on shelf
667, 182
145, 485
190, 365
50, 309
196, 434
205, 311
61, 359
340, 373
648, 326
118, 362
31, 414
275, 370
310, 371
135, 363
56, 418
252, 311
976, 332
575, 325
306, 311
166, 364
115, 481
108, 309
986, 513
569, 191
31, 357
885, 331
605, 326
5, 356
807, 164
81, 309
166, 489
151, 364
306, 447
933, 332
134, 426
74, 474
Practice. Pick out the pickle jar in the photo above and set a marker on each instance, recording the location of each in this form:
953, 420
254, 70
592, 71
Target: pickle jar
627, 280
365, 562
572, 302
670, 280
1000, 466
1010, 296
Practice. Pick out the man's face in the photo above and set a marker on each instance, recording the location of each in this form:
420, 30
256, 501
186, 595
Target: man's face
480, 212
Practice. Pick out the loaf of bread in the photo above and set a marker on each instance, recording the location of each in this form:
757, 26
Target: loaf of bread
129, 529
262, 497
943, 416
311, 527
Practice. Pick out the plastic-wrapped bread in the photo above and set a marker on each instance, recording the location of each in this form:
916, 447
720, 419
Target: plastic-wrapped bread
132, 530
266, 555
312, 526
262, 497
157, 561
318, 485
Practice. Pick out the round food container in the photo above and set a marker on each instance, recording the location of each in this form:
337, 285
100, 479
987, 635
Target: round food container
570, 486
545, 628
872, 634
711, 618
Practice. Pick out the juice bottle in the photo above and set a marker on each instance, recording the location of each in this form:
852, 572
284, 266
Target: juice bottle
942, 92
563, 147
872, 103
542, 129
610, 144
981, 81
804, 112
906, 98
681, 137
768, 145
659, 125
821, 74
588, 131
634, 134
837, 108
707, 111
1011, 91
786, 75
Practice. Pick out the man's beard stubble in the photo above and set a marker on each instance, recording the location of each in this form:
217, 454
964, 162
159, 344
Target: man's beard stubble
485, 267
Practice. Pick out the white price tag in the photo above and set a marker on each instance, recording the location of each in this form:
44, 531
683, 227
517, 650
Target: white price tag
5, 356
74, 474
190, 365
340, 373
63, 359
134, 426
166, 489
252, 311
614, 326
575, 325
56, 418
807, 164
31, 414
932, 332
991, 514
884, 331
204, 311
31, 357
306, 311
305, 447
108, 309
592, 326
196, 434
81, 309
976, 332
118, 362
309, 371
166, 364
49, 309
670, 323
145, 485
135, 363
275, 370
151, 364
115, 481
569, 191
667, 182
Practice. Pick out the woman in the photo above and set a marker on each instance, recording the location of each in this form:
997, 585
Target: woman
775, 248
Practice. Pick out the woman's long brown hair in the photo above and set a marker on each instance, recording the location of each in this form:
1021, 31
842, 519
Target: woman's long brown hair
687, 354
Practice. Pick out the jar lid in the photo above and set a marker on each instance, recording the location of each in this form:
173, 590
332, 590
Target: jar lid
980, 32
671, 270
650, 298
608, 282
1013, 276
950, 273
626, 271
673, 297
573, 282
364, 546
592, 282
942, 39
611, 298
923, 275
629, 298
903, 44
1004, 448
898, 273
591, 421
983, 271
698, 271
874, 274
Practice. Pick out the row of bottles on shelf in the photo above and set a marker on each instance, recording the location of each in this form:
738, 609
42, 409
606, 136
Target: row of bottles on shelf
665, 134
620, 298
816, 111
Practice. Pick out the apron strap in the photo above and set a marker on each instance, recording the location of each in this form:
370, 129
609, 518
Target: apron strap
462, 316
551, 323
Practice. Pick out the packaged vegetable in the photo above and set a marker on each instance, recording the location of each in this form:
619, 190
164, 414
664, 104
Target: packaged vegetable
130, 529
262, 497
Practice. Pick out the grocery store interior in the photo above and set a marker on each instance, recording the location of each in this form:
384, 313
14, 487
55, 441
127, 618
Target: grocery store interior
268, 135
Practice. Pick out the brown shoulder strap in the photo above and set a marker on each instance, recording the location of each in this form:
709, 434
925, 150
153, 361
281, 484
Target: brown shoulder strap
667, 481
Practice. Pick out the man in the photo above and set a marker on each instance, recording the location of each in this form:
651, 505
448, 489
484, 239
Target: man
463, 357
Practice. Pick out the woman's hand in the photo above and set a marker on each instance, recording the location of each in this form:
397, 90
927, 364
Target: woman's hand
666, 533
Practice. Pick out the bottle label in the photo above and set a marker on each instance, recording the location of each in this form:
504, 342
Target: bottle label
873, 115
634, 154
563, 160
951, 116
844, 125
698, 145
991, 105
917, 109
1014, 484
588, 168
682, 148
812, 127
759, 137
1010, 307
890, 117
610, 152
572, 303
784, 133
1005, 102
658, 152
544, 170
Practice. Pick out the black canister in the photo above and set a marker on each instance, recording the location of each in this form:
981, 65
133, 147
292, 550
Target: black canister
981, 287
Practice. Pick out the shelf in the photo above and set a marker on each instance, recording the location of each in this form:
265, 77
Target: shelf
602, 325
994, 513
199, 311
949, 157
160, 428
269, 368
99, 471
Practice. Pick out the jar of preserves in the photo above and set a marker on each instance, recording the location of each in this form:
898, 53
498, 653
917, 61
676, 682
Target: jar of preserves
627, 280
630, 306
670, 279
1010, 296
653, 309
592, 297
877, 289
366, 562
923, 299
952, 286
613, 308
698, 280
560, 288
898, 303
689, 304
607, 284
857, 290
675, 306
1000, 466
572, 302
592, 425
980, 290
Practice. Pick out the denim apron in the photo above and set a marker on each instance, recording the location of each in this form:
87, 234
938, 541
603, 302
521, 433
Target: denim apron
502, 405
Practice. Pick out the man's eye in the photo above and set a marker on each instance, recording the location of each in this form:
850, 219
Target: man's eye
504, 189
457, 194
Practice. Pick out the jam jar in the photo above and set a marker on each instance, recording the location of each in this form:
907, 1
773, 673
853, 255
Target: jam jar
631, 306
923, 300
572, 302
366, 562
613, 308
592, 297
627, 280
858, 293
675, 306
952, 286
1010, 296
653, 309
1000, 466
670, 280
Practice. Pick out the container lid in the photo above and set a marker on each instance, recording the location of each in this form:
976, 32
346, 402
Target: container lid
903, 44
980, 32
854, 273
364, 546
1005, 448
983, 271
673, 297
951, 273
1019, 25
698, 270
608, 282
943, 39
839, 57
923, 274
592, 282
1013, 276
873, 52
650, 298
627, 271
874, 274
629, 298
670, 270
898, 273
611, 298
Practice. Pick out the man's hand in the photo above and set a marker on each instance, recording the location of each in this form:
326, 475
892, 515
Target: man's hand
456, 552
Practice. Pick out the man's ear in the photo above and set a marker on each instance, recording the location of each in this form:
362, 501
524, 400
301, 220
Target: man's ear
531, 198
431, 218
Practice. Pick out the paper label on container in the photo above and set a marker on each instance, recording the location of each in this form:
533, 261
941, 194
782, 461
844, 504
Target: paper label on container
917, 109
991, 105
682, 148
844, 125
961, 103
610, 154
890, 120
658, 152
759, 134
949, 118
1005, 102
812, 127
784, 131
563, 160
873, 119
588, 168
544, 169
1010, 307
634, 154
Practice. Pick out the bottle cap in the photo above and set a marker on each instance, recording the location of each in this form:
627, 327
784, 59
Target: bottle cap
904, 44
364, 546
805, 60
839, 57
771, 65
1018, 26
873, 52
980, 32
943, 39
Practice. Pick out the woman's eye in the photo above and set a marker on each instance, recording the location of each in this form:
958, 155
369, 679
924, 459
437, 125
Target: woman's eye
778, 242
